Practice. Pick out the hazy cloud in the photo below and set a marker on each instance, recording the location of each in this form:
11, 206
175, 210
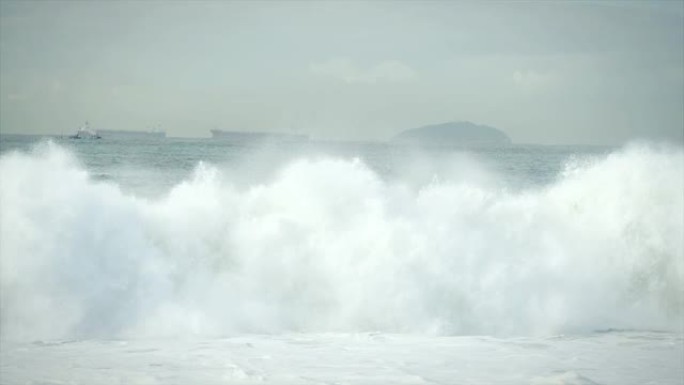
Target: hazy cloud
16, 97
347, 71
533, 80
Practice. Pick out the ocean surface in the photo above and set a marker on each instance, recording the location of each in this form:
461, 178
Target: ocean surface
196, 261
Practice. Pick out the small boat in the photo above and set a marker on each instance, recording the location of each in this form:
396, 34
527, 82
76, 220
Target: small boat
85, 133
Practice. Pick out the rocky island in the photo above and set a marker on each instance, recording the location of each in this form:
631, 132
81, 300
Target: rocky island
454, 133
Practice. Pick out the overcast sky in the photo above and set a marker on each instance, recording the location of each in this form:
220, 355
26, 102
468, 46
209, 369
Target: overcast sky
543, 72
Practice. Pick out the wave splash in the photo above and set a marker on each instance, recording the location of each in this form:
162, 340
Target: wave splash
328, 245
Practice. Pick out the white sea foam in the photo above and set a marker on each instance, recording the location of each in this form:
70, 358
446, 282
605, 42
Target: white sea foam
328, 245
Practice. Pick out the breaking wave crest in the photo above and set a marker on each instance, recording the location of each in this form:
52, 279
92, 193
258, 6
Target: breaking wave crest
328, 245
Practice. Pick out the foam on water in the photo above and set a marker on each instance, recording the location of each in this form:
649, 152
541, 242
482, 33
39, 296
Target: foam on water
328, 245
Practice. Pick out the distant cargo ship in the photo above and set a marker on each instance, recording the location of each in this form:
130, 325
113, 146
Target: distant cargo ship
116, 134
243, 136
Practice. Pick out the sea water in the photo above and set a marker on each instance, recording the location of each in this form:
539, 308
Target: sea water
199, 261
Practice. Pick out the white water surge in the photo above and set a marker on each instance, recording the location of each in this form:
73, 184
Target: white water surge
327, 245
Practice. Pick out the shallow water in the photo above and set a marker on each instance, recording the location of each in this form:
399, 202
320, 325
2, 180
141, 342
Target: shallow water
617, 357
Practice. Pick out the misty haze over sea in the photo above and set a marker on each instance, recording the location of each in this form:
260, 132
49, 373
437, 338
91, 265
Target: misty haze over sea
392, 193
602, 72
